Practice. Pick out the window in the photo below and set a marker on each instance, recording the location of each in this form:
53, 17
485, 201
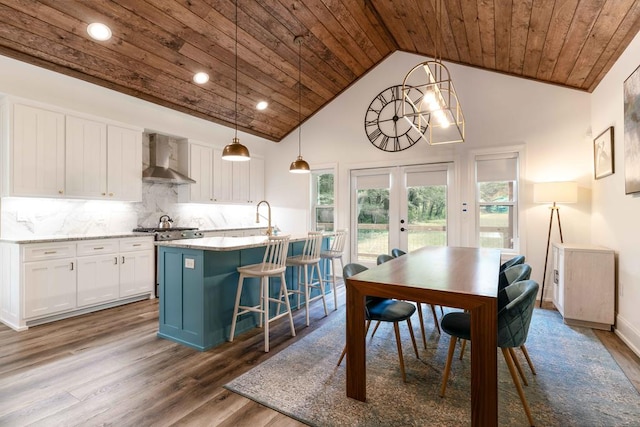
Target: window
497, 201
323, 200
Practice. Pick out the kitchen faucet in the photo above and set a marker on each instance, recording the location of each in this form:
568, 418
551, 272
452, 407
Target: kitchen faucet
269, 229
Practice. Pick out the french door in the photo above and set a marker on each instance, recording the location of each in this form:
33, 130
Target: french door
404, 207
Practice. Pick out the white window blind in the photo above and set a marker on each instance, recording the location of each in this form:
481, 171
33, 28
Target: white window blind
497, 169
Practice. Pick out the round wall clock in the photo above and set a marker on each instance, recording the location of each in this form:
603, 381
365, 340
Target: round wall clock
384, 124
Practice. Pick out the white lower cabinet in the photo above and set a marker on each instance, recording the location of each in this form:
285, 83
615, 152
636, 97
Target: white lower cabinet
136, 273
51, 287
98, 279
42, 282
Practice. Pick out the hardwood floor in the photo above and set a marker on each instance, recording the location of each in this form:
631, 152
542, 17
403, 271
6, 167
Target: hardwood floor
109, 368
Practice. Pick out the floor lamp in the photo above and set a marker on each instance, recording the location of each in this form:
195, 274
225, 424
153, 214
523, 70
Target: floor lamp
553, 192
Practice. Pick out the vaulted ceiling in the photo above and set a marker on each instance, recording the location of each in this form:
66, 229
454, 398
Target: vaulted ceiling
158, 45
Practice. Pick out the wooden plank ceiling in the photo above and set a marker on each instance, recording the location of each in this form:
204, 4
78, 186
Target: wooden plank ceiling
158, 45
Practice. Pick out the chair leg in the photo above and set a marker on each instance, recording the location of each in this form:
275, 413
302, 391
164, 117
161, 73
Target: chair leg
462, 347
265, 307
447, 366
435, 319
518, 366
514, 376
283, 285
321, 286
399, 344
344, 350
236, 308
375, 329
421, 318
413, 338
306, 292
333, 283
526, 356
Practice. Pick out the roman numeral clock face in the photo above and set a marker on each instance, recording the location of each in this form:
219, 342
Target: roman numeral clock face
384, 124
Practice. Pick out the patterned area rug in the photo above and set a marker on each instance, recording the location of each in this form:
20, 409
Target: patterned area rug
578, 382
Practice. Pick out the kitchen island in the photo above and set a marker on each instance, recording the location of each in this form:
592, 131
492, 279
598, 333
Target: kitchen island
198, 281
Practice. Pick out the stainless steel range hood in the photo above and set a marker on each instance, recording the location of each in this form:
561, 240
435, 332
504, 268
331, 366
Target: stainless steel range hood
159, 171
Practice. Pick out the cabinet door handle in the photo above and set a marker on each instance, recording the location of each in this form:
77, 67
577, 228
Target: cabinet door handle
71, 266
115, 259
50, 252
123, 260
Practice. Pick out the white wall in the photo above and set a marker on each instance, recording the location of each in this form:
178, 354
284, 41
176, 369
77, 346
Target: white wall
615, 216
501, 111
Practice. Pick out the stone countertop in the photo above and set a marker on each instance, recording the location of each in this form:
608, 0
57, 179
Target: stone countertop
70, 237
221, 244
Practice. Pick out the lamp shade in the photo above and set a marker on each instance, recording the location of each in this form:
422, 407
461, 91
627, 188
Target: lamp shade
555, 192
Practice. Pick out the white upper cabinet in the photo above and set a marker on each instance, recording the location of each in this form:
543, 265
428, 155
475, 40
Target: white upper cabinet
222, 177
256, 180
49, 152
218, 180
196, 161
86, 158
124, 163
35, 142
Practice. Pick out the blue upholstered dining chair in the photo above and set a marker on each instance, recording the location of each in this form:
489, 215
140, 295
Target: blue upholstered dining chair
513, 327
515, 273
516, 260
397, 252
384, 310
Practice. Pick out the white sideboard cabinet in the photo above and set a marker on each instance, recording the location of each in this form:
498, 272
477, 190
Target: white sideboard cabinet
584, 284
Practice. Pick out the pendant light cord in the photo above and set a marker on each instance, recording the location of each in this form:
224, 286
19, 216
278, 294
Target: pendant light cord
299, 96
236, 72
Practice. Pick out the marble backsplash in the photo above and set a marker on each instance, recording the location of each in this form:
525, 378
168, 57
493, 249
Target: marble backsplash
33, 217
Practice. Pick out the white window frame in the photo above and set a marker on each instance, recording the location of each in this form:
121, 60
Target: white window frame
314, 196
517, 151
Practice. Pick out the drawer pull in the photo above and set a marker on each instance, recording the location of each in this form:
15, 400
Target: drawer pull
98, 248
137, 244
50, 252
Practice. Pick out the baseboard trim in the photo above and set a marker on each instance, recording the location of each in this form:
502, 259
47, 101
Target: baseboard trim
628, 334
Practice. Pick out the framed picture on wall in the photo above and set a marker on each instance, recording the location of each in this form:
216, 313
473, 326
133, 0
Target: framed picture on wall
603, 154
632, 133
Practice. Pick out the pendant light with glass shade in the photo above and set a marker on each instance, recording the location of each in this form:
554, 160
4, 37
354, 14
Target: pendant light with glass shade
235, 151
299, 165
433, 109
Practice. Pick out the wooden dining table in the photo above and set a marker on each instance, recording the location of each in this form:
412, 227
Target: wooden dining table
465, 278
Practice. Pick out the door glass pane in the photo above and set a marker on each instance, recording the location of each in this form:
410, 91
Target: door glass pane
372, 224
427, 216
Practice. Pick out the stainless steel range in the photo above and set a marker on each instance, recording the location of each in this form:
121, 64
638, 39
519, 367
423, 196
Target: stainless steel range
174, 233
164, 234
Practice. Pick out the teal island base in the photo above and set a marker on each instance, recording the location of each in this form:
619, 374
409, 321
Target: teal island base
197, 291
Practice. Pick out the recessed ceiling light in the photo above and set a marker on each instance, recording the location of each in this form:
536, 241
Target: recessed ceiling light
201, 78
262, 105
99, 31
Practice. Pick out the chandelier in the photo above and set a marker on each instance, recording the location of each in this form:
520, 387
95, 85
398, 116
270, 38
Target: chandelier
431, 104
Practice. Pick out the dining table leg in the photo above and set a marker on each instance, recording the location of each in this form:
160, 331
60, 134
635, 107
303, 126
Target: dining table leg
484, 364
356, 352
